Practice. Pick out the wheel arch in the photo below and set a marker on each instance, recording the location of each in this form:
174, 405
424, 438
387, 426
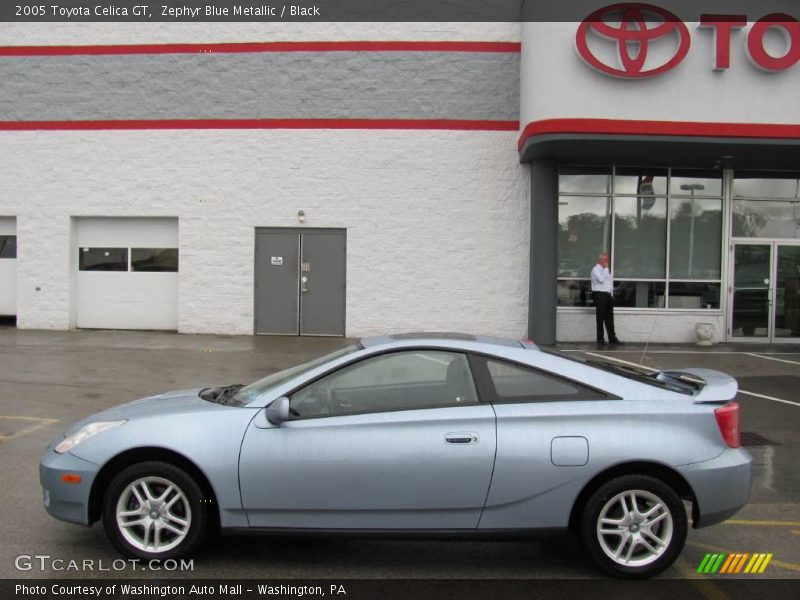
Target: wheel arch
659, 471
133, 456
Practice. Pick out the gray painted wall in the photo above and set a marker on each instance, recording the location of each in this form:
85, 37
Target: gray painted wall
542, 297
378, 85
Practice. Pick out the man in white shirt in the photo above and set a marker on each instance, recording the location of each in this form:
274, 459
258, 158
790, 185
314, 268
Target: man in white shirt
602, 295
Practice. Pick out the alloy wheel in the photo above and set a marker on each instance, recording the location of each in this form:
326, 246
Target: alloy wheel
634, 528
153, 514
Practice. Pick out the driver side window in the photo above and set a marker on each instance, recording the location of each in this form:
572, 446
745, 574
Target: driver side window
389, 382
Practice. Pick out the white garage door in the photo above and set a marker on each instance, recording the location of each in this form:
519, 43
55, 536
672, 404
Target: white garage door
127, 273
8, 266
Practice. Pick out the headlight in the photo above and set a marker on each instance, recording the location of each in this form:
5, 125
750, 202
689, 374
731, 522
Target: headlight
84, 433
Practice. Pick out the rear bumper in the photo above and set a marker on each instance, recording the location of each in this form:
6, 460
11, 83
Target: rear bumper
66, 501
721, 486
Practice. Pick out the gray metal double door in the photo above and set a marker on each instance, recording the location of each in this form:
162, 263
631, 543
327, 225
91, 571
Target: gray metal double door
300, 281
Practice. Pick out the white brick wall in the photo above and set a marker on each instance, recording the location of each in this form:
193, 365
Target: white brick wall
437, 221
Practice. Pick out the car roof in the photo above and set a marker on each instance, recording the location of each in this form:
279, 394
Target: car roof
423, 337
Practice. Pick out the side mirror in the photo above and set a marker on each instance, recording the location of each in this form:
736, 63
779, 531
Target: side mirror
278, 411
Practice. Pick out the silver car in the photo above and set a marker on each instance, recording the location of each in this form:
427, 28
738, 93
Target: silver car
416, 433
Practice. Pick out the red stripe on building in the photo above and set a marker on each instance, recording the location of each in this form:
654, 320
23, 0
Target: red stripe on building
229, 48
658, 128
441, 124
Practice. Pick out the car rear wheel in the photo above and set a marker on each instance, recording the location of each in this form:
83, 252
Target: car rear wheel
634, 526
155, 510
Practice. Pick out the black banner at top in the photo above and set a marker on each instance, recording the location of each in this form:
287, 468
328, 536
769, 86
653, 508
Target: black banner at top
187, 11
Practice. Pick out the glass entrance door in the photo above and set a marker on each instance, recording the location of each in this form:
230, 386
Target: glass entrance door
786, 327
750, 298
765, 295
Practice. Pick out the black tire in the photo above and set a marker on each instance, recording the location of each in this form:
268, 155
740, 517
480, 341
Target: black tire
182, 508
636, 560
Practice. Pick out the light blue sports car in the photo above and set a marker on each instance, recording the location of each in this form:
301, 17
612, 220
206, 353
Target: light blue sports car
416, 433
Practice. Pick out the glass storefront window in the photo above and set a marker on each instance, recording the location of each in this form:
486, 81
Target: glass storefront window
666, 234
640, 229
584, 231
766, 204
640, 182
574, 292
640, 294
766, 218
695, 238
693, 294
584, 180
775, 185
703, 183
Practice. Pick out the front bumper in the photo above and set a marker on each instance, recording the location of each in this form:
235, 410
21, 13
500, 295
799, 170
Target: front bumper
721, 486
66, 501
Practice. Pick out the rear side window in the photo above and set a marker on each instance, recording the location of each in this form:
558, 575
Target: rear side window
512, 382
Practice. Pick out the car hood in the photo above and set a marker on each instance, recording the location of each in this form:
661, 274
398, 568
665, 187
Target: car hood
169, 403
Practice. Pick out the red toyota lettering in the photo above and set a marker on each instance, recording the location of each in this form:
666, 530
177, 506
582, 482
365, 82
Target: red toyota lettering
755, 42
723, 25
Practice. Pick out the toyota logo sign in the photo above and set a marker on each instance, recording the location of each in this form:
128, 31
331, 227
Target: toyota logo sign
636, 31
630, 29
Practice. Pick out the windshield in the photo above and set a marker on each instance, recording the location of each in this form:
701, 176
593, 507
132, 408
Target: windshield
250, 392
637, 373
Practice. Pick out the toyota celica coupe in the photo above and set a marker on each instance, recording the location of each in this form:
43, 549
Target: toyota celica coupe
444, 434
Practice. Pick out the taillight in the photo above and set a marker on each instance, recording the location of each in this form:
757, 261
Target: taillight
728, 423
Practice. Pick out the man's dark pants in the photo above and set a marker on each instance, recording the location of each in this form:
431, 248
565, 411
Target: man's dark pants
604, 313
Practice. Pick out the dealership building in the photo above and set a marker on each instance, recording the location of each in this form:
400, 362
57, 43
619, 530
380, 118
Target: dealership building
355, 178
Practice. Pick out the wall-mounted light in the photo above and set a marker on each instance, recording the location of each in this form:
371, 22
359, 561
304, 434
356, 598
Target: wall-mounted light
301, 216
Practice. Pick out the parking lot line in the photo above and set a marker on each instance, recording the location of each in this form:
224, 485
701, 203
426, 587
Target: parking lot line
777, 563
769, 398
741, 391
39, 422
25, 418
783, 360
768, 523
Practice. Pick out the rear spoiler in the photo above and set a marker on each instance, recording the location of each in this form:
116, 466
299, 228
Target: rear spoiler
710, 386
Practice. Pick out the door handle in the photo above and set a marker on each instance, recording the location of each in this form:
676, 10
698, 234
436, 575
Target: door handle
304, 282
461, 437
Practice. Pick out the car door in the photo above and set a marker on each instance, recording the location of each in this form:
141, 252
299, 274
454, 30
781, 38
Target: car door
545, 426
396, 441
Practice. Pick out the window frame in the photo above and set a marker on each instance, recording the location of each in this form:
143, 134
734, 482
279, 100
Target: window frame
465, 353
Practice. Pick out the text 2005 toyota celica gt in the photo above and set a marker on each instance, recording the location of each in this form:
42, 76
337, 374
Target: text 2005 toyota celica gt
416, 433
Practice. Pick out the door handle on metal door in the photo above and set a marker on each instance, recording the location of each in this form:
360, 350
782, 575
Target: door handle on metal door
461, 437
304, 281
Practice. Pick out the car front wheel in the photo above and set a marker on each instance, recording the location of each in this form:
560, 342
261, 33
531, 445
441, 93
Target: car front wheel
634, 526
155, 510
